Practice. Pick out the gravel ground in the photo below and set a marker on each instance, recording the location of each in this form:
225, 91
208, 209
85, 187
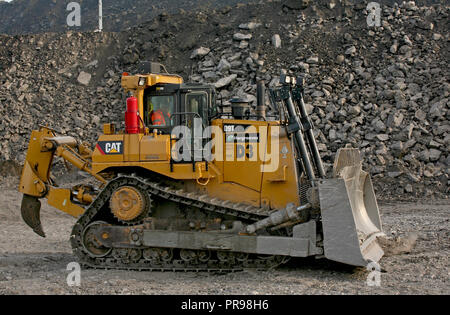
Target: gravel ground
32, 265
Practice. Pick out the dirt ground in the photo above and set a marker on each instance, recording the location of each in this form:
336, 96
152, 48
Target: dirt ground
32, 265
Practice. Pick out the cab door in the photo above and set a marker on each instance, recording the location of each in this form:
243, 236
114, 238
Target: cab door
196, 105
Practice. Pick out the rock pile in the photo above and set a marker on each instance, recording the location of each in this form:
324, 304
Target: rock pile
383, 89
54, 79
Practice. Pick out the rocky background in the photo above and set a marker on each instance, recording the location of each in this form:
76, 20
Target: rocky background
383, 89
41, 16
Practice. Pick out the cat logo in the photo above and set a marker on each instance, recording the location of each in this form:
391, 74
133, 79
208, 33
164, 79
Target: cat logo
110, 148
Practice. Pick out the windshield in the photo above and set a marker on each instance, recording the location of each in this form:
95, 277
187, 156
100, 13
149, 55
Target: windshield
159, 110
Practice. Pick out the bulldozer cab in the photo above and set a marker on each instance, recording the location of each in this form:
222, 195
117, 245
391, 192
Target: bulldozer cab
170, 105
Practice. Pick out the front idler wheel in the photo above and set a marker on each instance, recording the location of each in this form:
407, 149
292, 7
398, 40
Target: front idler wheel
91, 242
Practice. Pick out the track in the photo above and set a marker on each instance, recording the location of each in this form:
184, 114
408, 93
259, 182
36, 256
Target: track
159, 259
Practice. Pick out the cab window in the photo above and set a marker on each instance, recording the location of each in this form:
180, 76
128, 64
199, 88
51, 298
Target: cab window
196, 107
159, 110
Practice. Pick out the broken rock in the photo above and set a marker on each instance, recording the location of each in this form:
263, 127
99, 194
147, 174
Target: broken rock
200, 52
276, 41
84, 78
225, 81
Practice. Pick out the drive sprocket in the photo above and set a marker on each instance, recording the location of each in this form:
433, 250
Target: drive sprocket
129, 204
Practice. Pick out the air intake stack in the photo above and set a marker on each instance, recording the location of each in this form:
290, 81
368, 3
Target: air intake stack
261, 100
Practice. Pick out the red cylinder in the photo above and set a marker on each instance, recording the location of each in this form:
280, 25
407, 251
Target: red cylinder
131, 116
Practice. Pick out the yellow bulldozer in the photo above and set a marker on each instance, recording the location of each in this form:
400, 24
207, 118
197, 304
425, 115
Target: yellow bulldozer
191, 183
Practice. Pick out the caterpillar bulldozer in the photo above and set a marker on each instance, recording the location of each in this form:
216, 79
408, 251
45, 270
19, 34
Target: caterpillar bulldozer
192, 184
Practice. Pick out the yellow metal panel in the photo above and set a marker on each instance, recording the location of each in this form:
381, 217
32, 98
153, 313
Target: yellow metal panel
61, 199
280, 187
233, 192
131, 82
30, 184
131, 147
98, 156
278, 176
40, 161
242, 164
36, 170
139, 94
180, 171
154, 79
109, 129
155, 148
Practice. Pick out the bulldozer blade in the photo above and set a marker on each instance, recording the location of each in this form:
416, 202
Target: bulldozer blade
350, 215
30, 210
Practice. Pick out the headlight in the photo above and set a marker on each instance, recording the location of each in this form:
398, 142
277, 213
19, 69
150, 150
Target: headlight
142, 81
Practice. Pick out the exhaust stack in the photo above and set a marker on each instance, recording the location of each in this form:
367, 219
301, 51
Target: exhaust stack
261, 97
